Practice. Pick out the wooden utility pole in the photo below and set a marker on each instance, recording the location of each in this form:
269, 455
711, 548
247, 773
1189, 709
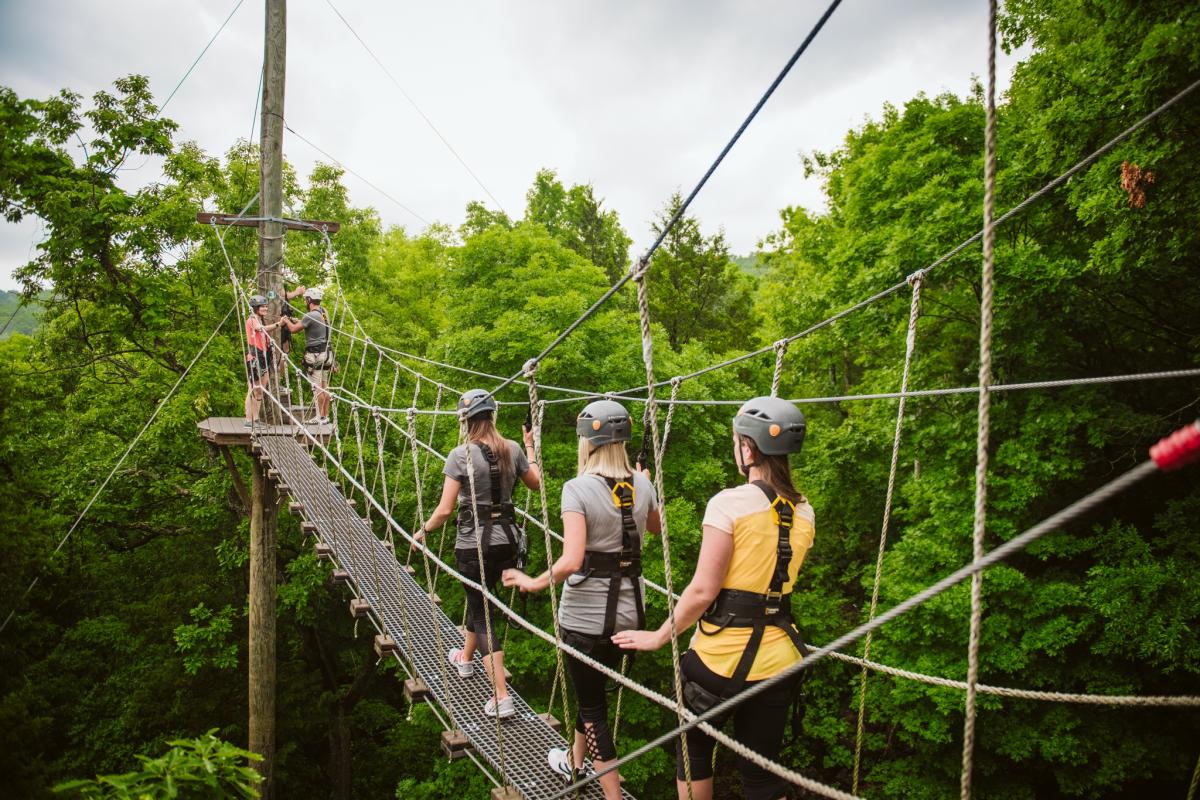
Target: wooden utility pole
263, 526
263, 513
264, 497
270, 182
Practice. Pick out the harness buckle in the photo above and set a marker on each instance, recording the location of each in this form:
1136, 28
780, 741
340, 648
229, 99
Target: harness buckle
781, 519
773, 602
621, 500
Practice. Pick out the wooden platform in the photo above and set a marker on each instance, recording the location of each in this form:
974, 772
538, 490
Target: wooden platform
233, 431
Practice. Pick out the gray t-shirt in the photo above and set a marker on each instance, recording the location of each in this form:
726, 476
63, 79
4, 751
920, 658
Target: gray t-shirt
316, 330
455, 468
584, 599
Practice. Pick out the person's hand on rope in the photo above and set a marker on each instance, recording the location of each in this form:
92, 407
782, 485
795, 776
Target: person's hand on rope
419, 536
527, 435
640, 640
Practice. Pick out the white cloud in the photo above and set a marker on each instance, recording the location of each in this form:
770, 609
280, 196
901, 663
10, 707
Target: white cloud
636, 98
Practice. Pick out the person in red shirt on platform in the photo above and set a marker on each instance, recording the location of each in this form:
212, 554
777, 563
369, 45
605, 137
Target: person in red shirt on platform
258, 356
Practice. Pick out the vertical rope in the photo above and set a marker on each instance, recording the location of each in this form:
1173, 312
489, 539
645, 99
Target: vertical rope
675, 384
362, 364
360, 471
910, 343
378, 365
985, 379
437, 405
620, 697
539, 416
512, 594
780, 351
380, 468
391, 404
433, 612
639, 276
361, 476
469, 466
405, 625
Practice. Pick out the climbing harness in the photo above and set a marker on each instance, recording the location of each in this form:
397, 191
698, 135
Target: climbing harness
498, 512
735, 608
618, 566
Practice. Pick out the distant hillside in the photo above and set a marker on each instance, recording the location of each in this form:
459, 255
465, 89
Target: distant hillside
751, 265
25, 321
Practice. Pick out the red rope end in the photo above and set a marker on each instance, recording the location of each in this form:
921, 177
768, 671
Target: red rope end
1179, 449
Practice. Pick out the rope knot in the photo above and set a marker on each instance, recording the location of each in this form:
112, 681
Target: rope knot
529, 370
917, 277
781, 346
676, 382
640, 268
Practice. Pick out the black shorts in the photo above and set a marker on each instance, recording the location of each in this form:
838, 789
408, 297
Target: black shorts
758, 723
257, 366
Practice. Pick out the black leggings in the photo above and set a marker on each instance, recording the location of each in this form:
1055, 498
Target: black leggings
758, 723
496, 559
591, 718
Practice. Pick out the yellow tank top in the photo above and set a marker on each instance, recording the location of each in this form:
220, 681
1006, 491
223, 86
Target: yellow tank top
744, 513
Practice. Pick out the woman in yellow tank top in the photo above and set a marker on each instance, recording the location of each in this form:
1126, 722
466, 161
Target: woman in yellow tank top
755, 538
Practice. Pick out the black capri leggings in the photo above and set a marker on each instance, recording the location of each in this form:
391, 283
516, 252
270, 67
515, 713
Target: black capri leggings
591, 718
496, 559
758, 723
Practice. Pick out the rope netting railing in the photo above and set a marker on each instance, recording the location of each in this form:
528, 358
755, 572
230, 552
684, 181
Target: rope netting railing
691, 720
367, 373
351, 398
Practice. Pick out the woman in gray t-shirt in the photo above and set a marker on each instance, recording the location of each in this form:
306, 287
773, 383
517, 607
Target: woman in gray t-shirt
484, 454
606, 510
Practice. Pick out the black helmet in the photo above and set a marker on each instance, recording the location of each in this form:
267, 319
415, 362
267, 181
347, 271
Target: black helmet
604, 422
257, 301
775, 425
476, 401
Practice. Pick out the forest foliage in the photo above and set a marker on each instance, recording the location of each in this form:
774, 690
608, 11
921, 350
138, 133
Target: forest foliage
134, 637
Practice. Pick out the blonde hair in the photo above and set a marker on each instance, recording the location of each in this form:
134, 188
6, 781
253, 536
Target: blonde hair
481, 429
606, 460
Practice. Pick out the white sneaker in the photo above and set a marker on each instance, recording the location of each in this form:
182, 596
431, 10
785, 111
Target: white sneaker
465, 668
504, 709
561, 766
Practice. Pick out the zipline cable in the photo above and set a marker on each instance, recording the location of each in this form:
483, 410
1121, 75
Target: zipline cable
416, 107
948, 255
182, 80
662, 235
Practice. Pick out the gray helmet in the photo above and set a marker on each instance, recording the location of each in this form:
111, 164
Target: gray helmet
476, 401
604, 422
314, 293
257, 301
774, 424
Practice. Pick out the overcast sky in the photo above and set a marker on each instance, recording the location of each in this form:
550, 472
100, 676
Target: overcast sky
635, 98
